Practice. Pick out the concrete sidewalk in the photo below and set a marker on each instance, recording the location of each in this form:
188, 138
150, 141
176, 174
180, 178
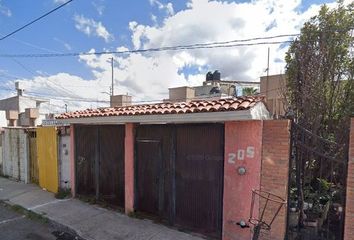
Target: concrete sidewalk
89, 221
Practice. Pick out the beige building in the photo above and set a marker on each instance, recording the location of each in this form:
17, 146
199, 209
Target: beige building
213, 88
21, 110
272, 87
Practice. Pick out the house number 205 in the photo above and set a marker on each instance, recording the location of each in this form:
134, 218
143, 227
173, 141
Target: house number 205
241, 154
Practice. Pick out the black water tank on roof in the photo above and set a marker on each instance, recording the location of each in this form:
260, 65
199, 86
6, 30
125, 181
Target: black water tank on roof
216, 76
209, 76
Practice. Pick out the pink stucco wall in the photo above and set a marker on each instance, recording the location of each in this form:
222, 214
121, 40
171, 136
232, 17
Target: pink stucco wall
72, 160
243, 144
129, 168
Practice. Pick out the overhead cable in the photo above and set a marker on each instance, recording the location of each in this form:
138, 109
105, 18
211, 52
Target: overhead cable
35, 20
160, 49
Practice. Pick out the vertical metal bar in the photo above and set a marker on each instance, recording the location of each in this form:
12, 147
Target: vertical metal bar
135, 150
252, 204
77, 129
221, 183
265, 206
161, 180
275, 215
97, 166
291, 162
173, 174
321, 167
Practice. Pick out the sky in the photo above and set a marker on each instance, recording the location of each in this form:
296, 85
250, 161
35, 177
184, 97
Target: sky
108, 25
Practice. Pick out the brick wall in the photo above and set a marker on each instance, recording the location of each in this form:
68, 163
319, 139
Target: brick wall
274, 173
349, 213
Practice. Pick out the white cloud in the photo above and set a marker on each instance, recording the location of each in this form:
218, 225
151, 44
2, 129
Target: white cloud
5, 10
60, 1
148, 76
91, 27
168, 7
153, 18
99, 6
212, 21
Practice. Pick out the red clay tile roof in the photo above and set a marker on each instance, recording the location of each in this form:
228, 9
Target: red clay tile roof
196, 106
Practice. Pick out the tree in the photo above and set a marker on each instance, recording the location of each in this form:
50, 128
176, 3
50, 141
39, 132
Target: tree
320, 90
249, 91
320, 71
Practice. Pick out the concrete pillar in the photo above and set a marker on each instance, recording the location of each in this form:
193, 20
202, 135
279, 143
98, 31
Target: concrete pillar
243, 146
349, 212
72, 160
129, 168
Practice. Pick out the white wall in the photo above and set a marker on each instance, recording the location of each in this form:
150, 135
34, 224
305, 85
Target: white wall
64, 161
15, 154
3, 120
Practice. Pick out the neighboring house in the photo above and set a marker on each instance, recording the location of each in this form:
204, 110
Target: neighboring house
213, 88
21, 110
167, 159
273, 87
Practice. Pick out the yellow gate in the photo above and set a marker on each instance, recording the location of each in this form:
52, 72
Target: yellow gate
47, 151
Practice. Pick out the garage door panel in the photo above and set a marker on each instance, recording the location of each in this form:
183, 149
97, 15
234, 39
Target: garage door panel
111, 166
148, 181
154, 142
86, 152
199, 170
179, 175
100, 162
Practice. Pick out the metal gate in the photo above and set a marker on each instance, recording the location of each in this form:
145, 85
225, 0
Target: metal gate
199, 177
47, 150
318, 170
100, 162
153, 171
179, 175
33, 160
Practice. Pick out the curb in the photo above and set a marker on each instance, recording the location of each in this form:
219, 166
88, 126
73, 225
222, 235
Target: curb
57, 226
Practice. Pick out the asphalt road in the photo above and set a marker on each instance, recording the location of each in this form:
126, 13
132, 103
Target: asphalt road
15, 226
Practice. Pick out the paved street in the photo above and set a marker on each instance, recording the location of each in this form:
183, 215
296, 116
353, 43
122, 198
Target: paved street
91, 222
16, 226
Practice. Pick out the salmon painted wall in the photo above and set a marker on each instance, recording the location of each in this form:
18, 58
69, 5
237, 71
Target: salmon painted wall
72, 160
129, 168
243, 144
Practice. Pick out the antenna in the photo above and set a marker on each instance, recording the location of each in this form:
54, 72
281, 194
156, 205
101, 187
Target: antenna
267, 85
112, 65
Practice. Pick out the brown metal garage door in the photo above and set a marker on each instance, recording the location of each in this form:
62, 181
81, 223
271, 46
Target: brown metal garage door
100, 162
199, 177
86, 153
179, 175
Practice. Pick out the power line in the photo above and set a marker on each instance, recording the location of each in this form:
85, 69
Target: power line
35, 20
35, 46
227, 44
88, 100
222, 44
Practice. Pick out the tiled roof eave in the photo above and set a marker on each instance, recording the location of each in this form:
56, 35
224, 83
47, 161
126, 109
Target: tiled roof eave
165, 118
177, 108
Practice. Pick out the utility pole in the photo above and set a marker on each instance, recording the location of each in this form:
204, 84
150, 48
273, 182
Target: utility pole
112, 65
267, 85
